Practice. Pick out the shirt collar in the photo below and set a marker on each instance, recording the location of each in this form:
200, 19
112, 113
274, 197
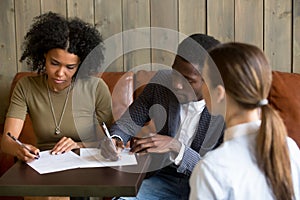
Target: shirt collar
194, 106
241, 130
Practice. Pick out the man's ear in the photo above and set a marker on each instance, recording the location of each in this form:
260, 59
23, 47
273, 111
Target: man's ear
220, 93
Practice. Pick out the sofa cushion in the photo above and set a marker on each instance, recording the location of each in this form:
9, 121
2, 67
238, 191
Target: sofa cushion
285, 97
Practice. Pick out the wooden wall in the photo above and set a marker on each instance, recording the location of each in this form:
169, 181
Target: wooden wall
273, 25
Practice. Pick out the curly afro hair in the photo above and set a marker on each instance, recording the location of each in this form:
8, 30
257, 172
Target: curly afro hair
51, 30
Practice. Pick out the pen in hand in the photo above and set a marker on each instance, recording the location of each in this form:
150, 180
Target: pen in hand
21, 144
107, 134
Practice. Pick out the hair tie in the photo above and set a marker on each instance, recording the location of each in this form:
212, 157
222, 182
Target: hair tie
262, 102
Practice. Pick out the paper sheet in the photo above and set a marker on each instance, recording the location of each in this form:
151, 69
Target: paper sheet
94, 158
48, 163
89, 157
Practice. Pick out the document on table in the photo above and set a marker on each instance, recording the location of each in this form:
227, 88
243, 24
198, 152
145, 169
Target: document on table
48, 163
94, 158
89, 157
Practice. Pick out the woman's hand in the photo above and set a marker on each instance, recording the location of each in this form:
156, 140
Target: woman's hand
65, 144
26, 155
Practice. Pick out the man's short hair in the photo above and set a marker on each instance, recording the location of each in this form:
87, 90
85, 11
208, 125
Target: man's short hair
193, 49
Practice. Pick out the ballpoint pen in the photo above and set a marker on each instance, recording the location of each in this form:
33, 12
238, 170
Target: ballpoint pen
21, 144
107, 134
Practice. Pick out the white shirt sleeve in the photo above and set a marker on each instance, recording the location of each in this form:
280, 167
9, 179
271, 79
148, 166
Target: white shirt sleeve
179, 157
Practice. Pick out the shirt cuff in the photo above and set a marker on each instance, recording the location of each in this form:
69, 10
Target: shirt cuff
117, 137
179, 157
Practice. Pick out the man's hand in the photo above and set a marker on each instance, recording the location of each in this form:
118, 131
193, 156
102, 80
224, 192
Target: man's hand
111, 148
155, 143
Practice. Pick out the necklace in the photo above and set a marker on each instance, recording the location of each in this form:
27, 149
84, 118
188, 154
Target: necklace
57, 125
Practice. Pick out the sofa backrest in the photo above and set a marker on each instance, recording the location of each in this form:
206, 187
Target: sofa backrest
285, 98
142, 77
121, 87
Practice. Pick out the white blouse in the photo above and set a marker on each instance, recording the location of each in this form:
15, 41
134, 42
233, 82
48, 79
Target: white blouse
231, 171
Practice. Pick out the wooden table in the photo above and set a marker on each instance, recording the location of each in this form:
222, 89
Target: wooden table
22, 180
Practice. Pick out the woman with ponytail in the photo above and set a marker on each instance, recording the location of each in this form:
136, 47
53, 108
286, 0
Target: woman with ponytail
257, 159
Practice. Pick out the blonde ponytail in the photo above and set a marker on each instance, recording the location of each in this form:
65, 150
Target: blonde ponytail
272, 154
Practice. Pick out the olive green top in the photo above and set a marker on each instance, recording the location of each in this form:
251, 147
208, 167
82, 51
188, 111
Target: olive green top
89, 103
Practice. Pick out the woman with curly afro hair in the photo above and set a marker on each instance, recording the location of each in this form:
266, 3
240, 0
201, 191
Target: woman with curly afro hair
63, 101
